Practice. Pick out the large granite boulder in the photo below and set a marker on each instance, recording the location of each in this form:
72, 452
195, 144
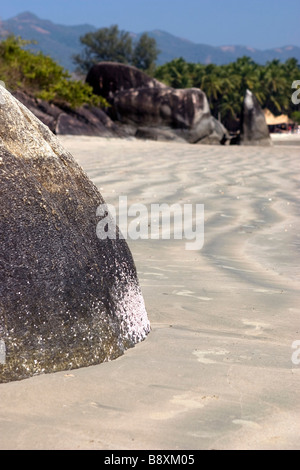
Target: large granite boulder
254, 129
67, 297
107, 78
185, 111
46, 112
148, 109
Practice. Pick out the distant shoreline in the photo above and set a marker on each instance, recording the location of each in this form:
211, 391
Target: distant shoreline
285, 139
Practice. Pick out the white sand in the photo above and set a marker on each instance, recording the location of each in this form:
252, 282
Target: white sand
286, 139
216, 371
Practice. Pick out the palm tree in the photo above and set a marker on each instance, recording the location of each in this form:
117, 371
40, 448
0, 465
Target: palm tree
225, 86
177, 74
247, 71
275, 84
211, 83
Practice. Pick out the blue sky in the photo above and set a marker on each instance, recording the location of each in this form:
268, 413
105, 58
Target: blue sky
257, 23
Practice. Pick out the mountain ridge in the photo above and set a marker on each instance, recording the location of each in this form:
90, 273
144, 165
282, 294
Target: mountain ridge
61, 42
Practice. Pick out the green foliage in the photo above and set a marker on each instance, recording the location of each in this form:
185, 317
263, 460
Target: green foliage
145, 53
72, 92
105, 44
41, 76
176, 74
295, 115
111, 44
225, 85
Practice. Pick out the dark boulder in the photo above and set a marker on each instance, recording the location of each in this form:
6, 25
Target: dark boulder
185, 111
107, 78
254, 129
89, 121
67, 298
154, 110
63, 120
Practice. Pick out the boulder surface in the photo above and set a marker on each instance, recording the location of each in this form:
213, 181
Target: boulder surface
85, 120
254, 129
184, 111
67, 298
107, 78
151, 109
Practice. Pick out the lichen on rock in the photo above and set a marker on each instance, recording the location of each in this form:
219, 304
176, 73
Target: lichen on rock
67, 298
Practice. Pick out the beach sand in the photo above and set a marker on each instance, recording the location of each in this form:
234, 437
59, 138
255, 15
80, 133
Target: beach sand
216, 371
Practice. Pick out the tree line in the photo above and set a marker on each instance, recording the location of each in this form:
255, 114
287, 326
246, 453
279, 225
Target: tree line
224, 85
111, 44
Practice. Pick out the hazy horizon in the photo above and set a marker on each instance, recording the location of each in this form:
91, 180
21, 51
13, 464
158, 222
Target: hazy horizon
260, 25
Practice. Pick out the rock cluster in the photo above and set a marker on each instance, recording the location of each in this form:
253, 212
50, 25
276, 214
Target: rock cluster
143, 107
86, 120
150, 109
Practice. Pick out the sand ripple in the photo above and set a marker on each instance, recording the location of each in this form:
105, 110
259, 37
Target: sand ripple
216, 370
